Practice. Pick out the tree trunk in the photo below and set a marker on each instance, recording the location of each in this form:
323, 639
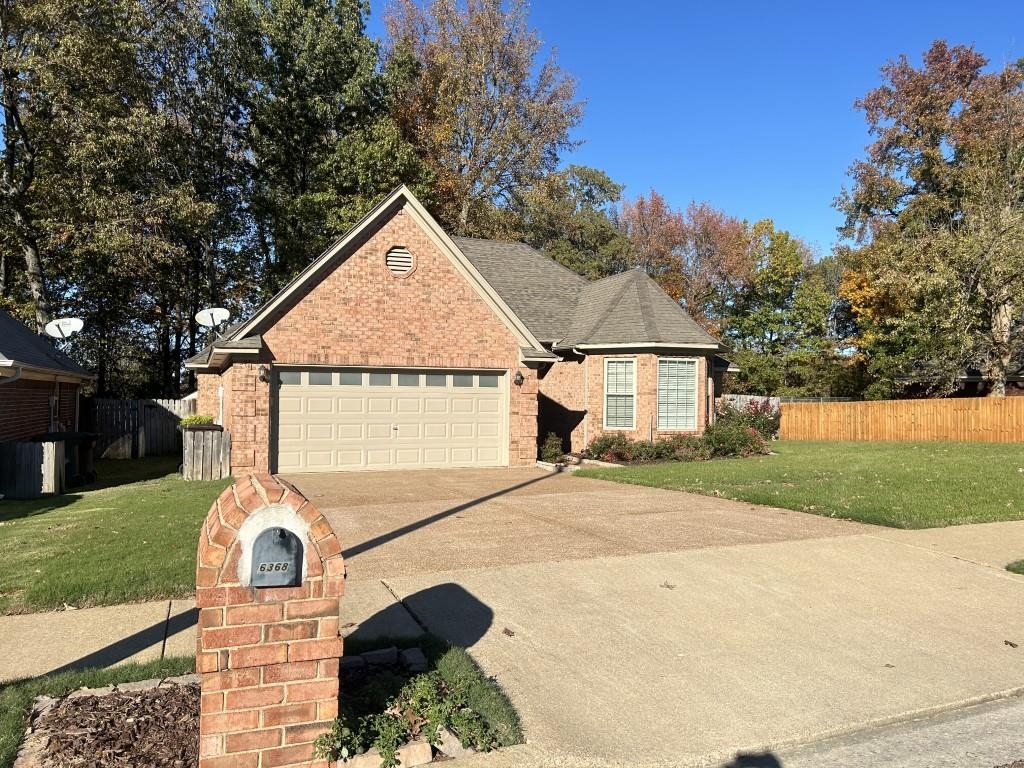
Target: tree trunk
34, 274
1000, 358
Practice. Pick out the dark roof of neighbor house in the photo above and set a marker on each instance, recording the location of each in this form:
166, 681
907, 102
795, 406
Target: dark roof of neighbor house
631, 308
536, 287
20, 346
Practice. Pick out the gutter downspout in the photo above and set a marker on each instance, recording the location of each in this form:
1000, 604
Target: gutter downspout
15, 377
586, 395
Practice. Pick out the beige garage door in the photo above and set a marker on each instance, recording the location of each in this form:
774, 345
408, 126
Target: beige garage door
348, 419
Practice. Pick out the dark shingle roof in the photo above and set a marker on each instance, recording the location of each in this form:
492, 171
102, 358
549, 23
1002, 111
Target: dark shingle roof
630, 308
23, 347
537, 288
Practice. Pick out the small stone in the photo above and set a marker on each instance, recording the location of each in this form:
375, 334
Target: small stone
382, 657
139, 685
413, 660
412, 754
451, 746
83, 692
352, 663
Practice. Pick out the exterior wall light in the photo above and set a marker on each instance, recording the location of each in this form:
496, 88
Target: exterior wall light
518, 379
264, 374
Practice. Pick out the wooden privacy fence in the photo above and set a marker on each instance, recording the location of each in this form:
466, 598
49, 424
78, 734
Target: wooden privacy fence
974, 420
206, 454
132, 429
29, 470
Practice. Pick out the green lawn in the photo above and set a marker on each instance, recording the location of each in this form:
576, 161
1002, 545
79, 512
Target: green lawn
16, 698
131, 536
902, 485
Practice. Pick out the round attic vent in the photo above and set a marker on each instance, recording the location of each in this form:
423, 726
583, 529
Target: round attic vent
399, 261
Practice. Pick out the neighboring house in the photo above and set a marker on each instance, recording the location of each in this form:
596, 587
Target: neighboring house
39, 384
402, 347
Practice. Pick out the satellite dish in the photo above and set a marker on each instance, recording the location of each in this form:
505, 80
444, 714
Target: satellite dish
211, 318
63, 327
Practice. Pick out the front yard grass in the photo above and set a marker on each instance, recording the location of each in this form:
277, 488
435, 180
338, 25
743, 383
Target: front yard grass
16, 698
901, 485
131, 536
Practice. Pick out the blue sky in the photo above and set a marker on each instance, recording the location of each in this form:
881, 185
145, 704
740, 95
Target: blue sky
746, 105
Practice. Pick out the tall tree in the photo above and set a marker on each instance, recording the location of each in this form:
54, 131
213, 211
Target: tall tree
937, 283
567, 215
488, 120
321, 145
700, 256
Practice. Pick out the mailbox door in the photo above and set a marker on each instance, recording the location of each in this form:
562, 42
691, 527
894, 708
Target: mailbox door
277, 557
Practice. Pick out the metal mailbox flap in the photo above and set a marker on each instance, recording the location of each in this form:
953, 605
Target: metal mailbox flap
277, 559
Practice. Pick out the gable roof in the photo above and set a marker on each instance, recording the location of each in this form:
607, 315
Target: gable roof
631, 309
20, 347
537, 288
401, 198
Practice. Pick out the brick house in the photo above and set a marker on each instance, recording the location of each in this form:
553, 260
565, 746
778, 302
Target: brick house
39, 384
403, 347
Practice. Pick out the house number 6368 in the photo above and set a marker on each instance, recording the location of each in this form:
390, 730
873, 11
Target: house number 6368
271, 567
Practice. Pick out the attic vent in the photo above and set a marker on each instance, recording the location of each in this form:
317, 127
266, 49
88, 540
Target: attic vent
399, 261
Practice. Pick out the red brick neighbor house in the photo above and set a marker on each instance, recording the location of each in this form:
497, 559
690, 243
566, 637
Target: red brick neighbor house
39, 384
403, 347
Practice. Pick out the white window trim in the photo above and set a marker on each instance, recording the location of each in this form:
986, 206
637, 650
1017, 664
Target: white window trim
604, 404
696, 393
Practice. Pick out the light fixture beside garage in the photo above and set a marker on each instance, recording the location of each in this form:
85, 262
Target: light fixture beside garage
518, 379
263, 374
399, 261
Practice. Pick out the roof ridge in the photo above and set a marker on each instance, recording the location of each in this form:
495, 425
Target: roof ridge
650, 324
613, 304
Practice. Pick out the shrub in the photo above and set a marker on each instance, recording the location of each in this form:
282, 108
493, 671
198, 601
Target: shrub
551, 449
612, 446
196, 419
732, 437
760, 415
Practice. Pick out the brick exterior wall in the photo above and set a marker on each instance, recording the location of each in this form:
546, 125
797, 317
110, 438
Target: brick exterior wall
570, 385
268, 658
208, 402
363, 315
25, 407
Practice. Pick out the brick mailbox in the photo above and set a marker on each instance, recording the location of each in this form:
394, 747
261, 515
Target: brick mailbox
269, 580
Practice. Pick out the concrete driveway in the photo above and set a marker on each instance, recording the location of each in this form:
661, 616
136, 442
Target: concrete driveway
640, 627
401, 523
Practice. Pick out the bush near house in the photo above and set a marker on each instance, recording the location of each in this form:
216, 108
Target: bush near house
744, 432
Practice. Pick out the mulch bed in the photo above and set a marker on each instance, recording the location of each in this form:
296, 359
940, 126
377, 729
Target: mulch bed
143, 729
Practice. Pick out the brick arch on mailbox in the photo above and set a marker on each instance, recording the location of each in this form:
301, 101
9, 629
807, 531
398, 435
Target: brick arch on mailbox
218, 583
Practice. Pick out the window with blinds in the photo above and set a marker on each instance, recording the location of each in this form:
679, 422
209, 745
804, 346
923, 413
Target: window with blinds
619, 393
677, 394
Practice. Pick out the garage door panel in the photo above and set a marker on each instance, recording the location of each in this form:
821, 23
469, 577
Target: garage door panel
409, 431
410, 405
378, 431
351, 426
320, 405
290, 405
319, 432
435, 431
350, 431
